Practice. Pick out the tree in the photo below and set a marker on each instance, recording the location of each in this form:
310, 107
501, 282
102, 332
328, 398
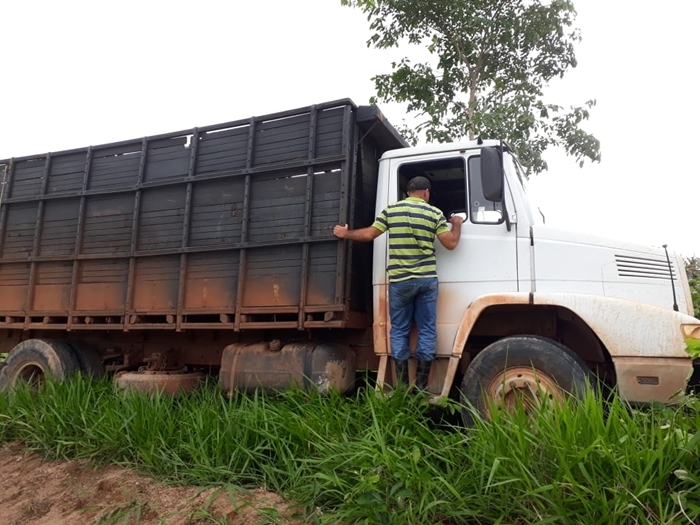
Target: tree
490, 61
692, 268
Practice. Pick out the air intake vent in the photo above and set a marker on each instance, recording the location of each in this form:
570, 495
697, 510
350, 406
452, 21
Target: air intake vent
645, 267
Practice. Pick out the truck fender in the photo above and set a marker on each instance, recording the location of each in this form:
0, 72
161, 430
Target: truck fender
469, 318
646, 342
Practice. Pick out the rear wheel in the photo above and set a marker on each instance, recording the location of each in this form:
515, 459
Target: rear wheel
527, 370
33, 360
88, 359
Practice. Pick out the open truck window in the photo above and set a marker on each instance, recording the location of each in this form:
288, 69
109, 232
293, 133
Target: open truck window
447, 178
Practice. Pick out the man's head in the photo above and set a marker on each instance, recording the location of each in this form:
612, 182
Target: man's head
419, 187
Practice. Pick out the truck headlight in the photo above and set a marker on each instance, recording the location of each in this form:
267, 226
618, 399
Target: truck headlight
691, 331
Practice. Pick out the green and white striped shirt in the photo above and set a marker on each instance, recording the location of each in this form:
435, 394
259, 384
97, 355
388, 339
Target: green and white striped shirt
413, 225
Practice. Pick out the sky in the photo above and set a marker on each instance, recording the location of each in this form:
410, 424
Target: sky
76, 73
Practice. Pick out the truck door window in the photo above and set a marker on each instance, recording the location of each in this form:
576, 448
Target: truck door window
447, 178
482, 210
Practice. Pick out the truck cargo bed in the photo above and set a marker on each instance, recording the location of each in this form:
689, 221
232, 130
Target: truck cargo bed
226, 226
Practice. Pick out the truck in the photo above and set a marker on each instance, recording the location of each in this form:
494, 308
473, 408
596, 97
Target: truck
164, 260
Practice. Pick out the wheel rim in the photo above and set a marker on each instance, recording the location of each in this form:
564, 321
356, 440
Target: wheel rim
32, 374
523, 385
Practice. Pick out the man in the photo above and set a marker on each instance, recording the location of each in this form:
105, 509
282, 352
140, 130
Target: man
413, 225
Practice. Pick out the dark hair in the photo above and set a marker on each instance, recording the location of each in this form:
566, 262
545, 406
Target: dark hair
418, 183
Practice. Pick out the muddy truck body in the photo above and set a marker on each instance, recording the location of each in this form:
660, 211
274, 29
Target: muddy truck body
210, 251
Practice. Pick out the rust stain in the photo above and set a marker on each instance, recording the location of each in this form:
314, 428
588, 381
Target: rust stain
475, 309
258, 292
107, 212
210, 293
320, 290
449, 376
13, 298
157, 296
276, 293
337, 376
51, 297
641, 379
381, 322
382, 371
100, 296
627, 328
249, 366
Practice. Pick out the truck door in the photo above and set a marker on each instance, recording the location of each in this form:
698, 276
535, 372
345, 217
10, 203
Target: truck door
485, 260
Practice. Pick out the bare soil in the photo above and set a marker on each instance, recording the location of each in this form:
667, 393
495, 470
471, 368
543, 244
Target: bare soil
37, 491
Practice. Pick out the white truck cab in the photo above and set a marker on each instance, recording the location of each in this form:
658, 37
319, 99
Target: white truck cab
524, 308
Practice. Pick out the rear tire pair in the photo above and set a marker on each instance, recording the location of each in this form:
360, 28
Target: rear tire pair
33, 360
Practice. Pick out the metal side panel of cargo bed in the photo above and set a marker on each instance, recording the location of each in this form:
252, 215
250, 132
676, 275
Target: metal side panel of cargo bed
227, 226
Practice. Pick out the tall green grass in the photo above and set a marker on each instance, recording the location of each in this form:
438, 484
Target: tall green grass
379, 459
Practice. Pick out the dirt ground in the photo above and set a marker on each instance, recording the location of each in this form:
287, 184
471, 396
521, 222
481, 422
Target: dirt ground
36, 491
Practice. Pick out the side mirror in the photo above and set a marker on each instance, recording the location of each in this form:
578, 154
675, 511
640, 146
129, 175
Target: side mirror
492, 174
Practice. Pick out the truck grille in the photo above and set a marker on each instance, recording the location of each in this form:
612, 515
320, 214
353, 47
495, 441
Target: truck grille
645, 267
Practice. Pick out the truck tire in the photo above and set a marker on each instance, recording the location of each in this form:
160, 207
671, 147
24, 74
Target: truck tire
166, 383
528, 368
33, 360
89, 360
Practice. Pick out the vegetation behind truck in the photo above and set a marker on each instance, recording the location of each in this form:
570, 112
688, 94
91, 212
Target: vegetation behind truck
206, 251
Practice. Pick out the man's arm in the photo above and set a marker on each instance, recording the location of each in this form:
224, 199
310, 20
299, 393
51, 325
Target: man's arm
363, 234
450, 239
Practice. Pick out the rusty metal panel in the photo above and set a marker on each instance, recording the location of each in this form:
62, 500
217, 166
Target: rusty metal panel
18, 239
326, 196
27, 177
277, 208
167, 159
101, 285
5, 168
116, 167
59, 227
211, 283
107, 224
160, 218
52, 286
281, 140
221, 150
231, 218
217, 212
323, 266
272, 277
14, 280
156, 283
66, 175
329, 135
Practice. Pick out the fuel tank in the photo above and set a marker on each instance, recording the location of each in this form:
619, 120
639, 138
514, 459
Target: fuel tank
273, 367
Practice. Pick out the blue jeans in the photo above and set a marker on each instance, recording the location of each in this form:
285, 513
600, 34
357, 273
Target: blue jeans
409, 301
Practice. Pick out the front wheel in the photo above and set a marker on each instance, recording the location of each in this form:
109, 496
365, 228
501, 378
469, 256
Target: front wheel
526, 369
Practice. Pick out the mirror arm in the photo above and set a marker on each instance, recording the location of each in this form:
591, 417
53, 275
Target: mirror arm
505, 212
503, 178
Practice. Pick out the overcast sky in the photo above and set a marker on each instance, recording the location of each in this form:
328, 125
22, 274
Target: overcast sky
79, 73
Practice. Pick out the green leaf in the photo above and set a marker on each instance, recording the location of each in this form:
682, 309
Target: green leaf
490, 62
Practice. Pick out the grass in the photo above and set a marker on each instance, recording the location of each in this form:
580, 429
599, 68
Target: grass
376, 459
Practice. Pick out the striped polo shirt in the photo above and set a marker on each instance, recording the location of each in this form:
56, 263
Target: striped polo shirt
412, 224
